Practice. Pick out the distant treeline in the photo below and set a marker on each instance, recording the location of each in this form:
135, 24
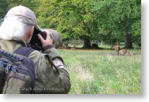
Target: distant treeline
110, 21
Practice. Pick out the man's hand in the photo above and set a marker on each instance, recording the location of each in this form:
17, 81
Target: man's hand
45, 42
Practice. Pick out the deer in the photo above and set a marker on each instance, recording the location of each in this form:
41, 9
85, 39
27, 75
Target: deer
117, 49
65, 44
120, 51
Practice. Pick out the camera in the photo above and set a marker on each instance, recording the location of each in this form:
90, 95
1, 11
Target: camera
36, 44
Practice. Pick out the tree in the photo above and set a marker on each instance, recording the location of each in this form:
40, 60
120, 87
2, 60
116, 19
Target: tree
5, 5
82, 21
3, 8
110, 21
72, 18
121, 17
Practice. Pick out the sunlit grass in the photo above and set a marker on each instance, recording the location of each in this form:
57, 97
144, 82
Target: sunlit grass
103, 72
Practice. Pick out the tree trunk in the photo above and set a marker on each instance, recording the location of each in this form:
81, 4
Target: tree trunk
87, 43
128, 41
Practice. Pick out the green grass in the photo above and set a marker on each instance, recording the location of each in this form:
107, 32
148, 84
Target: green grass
103, 72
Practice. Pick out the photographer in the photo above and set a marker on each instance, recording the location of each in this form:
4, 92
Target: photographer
17, 30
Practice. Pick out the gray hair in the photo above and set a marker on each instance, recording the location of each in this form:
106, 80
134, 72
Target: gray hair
12, 28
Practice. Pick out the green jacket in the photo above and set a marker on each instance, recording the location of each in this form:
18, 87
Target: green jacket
47, 79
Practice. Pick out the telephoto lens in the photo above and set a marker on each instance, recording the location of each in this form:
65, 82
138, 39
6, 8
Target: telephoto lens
56, 37
36, 44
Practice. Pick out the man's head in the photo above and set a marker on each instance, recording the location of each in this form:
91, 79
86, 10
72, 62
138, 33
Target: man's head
18, 24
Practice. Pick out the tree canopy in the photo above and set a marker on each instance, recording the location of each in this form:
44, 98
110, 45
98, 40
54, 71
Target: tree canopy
109, 21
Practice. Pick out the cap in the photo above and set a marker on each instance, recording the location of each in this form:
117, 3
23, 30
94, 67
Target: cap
26, 15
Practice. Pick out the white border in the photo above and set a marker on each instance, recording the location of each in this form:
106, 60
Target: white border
144, 97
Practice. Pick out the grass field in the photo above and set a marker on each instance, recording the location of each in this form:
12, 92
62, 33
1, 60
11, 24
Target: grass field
103, 72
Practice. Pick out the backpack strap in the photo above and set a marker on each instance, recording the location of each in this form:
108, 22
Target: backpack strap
25, 51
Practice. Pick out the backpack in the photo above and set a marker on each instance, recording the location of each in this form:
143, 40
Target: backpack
17, 74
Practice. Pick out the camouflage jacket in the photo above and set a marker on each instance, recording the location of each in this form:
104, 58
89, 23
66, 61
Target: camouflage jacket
47, 80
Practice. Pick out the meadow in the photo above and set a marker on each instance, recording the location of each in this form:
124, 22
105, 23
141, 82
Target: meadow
103, 72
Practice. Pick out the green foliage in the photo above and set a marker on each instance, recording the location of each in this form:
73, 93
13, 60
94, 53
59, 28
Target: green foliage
119, 17
3, 8
106, 20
